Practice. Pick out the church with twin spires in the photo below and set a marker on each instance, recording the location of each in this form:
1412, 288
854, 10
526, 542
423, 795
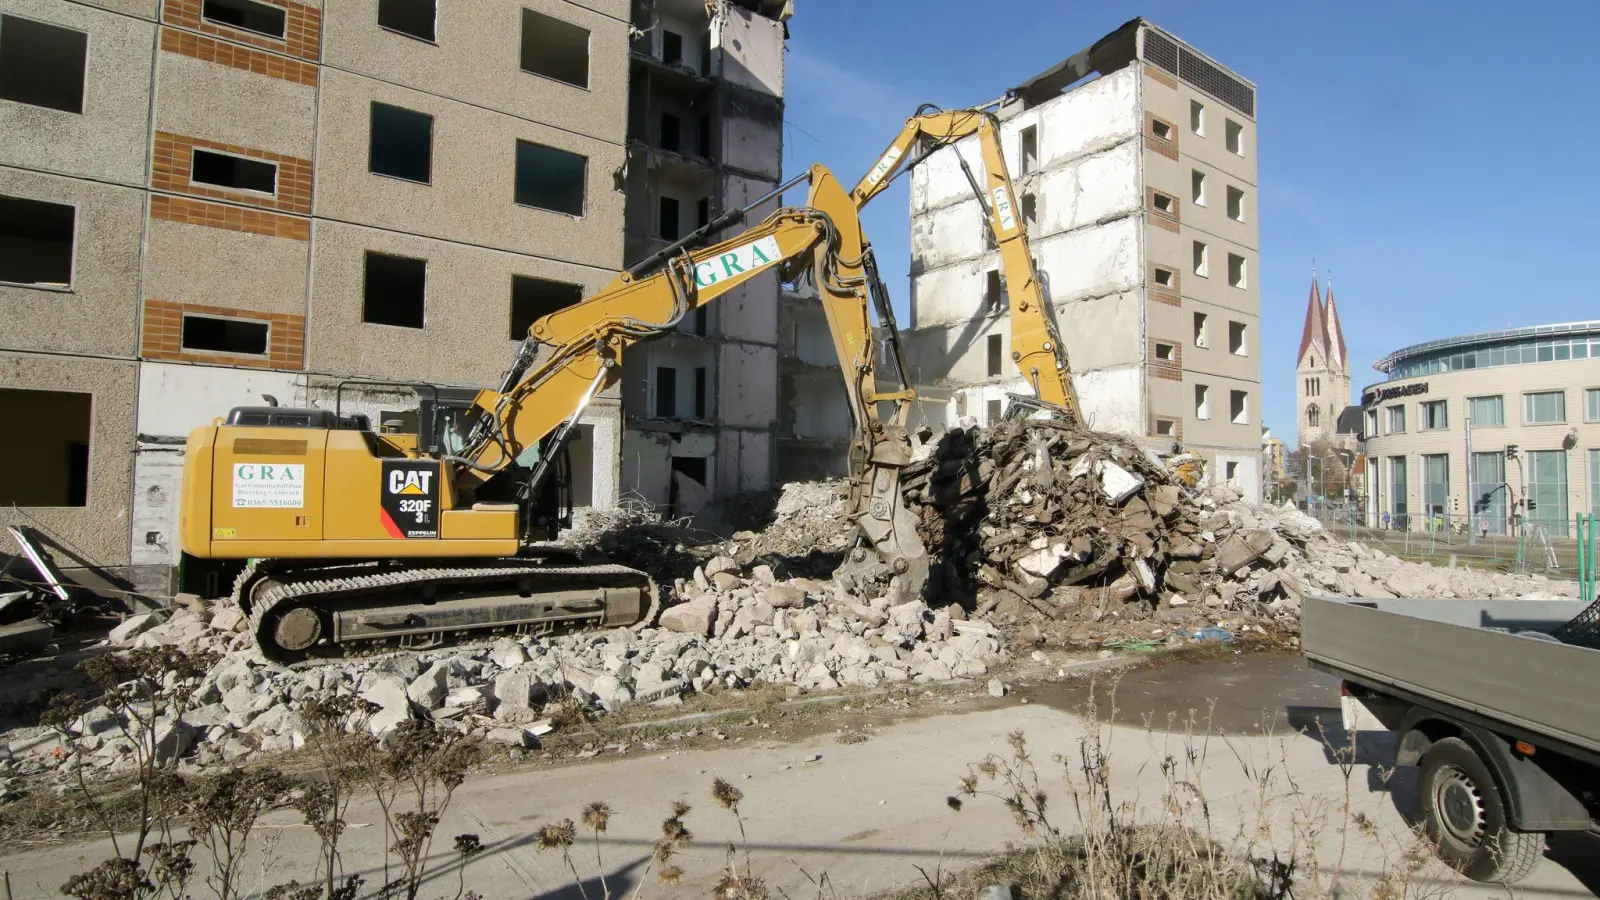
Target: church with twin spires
1322, 392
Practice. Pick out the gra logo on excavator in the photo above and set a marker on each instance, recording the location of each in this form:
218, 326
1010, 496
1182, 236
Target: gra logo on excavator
741, 259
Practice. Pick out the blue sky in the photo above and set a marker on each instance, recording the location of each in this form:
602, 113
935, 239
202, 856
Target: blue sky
1439, 158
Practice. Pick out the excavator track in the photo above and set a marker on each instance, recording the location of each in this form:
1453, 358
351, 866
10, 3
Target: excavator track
330, 610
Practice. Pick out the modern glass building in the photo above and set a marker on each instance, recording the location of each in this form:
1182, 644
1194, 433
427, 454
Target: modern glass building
1530, 398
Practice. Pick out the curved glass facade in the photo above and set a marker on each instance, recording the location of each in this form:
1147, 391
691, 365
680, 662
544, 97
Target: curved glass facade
1506, 348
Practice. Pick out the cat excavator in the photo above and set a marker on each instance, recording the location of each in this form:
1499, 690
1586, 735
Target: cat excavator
353, 537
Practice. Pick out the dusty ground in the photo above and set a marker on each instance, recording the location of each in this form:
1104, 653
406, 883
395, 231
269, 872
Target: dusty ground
856, 787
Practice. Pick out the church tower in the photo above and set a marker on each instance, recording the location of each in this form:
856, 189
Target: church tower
1322, 389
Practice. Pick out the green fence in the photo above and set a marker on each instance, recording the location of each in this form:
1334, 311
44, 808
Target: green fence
1588, 550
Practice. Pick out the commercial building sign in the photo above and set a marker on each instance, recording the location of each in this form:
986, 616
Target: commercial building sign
1391, 393
268, 486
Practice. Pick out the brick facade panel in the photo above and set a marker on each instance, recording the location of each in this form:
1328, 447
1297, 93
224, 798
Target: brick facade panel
302, 33
222, 53
232, 218
174, 153
161, 337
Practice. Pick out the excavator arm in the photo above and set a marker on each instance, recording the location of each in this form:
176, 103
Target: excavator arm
575, 353
1035, 344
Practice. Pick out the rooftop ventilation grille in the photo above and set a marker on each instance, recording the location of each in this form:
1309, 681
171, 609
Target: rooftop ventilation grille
1189, 66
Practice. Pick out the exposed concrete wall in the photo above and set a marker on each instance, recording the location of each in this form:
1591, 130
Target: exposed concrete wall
110, 141
753, 145
97, 531
472, 195
819, 407
748, 49
467, 335
477, 57
99, 315
202, 99
744, 461
747, 386
214, 267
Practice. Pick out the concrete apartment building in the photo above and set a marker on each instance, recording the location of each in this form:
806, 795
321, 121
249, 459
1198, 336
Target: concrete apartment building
207, 201
1135, 164
705, 135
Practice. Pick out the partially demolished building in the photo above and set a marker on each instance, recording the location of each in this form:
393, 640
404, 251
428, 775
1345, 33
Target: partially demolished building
1135, 165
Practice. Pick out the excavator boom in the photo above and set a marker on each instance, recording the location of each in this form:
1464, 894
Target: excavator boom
1035, 344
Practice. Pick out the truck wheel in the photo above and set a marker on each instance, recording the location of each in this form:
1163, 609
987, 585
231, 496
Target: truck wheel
1465, 817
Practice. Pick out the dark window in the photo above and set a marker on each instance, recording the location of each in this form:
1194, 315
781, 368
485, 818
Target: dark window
551, 179
555, 49
56, 454
994, 292
702, 321
394, 290
667, 228
996, 353
705, 135
671, 48
671, 132
402, 143
233, 172
42, 65
994, 409
262, 18
534, 298
705, 52
35, 241
666, 392
1030, 212
223, 335
413, 17
702, 212
700, 392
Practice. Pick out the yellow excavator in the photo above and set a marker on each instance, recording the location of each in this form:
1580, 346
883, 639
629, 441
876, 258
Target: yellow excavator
353, 537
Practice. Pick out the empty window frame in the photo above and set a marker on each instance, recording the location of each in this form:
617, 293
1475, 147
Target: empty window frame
1200, 322
56, 454
1197, 187
550, 178
1230, 471
224, 334
994, 293
1202, 256
42, 65
1160, 129
1166, 428
555, 49
1544, 407
247, 15
234, 172
1030, 212
36, 242
1235, 204
667, 218
1239, 407
1163, 203
1236, 339
534, 298
1166, 352
1236, 271
394, 290
1029, 149
994, 411
671, 47
1165, 277
666, 392
1197, 117
1233, 137
402, 143
671, 133
997, 354
415, 18
1202, 402
701, 406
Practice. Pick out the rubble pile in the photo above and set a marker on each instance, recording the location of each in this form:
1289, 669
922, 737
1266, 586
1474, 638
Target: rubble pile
1037, 520
1038, 534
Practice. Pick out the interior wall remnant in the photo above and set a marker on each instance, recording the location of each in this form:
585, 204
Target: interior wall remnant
818, 408
753, 145
745, 461
748, 376
748, 49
